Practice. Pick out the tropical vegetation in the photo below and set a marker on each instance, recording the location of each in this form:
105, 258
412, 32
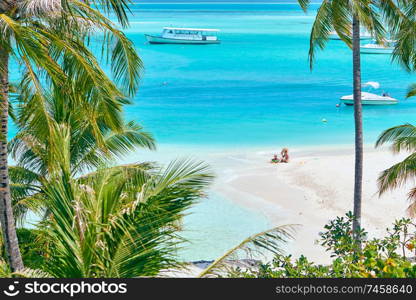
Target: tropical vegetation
387, 257
99, 219
401, 19
401, 139
121, 221
49, 39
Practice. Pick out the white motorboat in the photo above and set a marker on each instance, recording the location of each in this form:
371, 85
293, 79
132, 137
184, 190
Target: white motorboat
370, 98
363, 36
374, 48
176, 35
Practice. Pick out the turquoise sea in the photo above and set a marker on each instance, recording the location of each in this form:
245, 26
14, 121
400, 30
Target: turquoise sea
254, 89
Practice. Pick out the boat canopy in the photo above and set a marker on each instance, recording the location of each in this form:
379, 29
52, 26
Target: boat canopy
373, 84
191, 29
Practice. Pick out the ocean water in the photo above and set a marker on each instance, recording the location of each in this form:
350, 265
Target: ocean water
215, 225
255, 89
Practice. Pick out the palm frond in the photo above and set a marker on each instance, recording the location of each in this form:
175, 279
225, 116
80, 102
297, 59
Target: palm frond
337, 15
411, 91
321, 28
402, 138
24, 185
304, 4
125, 63
5, 272
267, 241
31, 273
119, 222
119, 7
399, 16
38, 8
411, 209
398, 174
342, 23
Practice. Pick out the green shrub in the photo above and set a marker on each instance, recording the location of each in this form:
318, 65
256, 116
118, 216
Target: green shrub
389, 257
32, 247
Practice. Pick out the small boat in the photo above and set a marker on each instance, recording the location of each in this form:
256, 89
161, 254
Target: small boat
363, 36
176, 35
370, 98
375, 48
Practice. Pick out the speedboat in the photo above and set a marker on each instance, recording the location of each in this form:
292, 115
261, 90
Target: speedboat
363, 36
374, 48
175, 35
370, 98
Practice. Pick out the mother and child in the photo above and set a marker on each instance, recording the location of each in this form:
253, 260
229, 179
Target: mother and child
284, 159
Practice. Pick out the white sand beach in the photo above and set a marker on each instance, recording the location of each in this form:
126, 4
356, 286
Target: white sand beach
313, 188
316, 186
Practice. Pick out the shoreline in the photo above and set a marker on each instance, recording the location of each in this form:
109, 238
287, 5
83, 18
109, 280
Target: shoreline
314, 187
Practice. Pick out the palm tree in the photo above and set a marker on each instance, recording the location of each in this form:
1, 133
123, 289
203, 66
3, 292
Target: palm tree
400, 17
116, 222
402, 138
37, 147
119, 222
49, 39
101, 220
347, 17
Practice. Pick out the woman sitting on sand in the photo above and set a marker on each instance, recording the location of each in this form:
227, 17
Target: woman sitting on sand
285, 155
275, 160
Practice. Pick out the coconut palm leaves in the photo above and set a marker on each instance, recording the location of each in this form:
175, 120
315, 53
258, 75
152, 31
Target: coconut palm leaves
49, 39
52, 40
119, 222
400, 17
269, 241
99, 220
5, 272
97, 133
402, 138
57, 45
77, 136
337, 15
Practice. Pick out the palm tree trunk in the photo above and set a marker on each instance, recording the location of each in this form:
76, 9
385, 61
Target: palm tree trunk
6, 211
358, 182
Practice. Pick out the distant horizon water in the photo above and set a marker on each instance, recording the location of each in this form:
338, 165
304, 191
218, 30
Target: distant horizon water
255, 88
